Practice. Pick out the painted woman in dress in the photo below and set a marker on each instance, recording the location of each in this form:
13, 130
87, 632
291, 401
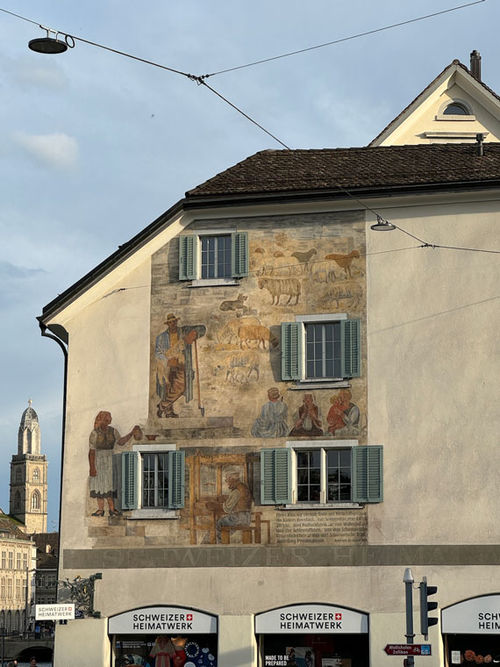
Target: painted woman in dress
101, 443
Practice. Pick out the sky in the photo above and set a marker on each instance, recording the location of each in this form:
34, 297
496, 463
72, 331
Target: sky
95, 146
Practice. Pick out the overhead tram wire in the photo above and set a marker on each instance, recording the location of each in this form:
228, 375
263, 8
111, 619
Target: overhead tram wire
342, 39
200, 80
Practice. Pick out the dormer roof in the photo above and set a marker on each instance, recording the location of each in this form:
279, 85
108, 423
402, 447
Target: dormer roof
426, 120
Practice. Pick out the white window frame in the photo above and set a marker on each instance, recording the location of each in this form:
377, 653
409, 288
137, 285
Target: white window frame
323, 445
151, 512
207, 282
317, 383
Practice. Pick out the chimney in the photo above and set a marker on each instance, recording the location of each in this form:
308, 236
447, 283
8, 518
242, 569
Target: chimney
475, 65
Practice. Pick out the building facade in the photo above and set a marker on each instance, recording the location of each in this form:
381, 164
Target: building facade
273, 410
17, 565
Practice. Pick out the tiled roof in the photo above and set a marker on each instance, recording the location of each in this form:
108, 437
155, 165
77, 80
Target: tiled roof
10, 526
381, 167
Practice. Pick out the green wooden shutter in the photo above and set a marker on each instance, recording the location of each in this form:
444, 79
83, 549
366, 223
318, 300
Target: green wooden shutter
367, 474
130, 480
350, 337
239, 254
187, 257
275, 476
176, 479
291, 351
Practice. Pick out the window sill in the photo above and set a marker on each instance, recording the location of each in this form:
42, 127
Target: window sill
321, 384
214, 282
322, 506
152, 514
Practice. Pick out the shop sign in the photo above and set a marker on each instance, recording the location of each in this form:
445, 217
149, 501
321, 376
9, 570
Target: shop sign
54, 612
162, 619
476, 616
317, 618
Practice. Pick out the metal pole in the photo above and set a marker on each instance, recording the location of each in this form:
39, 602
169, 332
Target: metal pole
408, 582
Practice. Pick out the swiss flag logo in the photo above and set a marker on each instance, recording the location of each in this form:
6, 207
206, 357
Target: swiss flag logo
338, 616
189, 617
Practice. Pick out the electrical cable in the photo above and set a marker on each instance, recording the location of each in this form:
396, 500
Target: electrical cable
342, 39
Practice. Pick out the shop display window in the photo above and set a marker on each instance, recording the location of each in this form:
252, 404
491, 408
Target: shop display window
314, 650
473, 649
166, 651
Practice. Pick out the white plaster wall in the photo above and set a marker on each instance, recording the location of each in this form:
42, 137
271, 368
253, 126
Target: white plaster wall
433, 368
108, 370
236, 594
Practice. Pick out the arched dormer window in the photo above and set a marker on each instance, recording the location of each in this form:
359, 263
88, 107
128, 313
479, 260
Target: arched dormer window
456, 109
36, 475
35, 501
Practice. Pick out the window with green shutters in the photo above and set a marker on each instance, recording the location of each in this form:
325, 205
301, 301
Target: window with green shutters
322, 349
313, 474
151, 479
213, 256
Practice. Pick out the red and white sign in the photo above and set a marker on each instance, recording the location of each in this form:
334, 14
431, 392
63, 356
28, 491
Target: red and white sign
317, 618
162, 619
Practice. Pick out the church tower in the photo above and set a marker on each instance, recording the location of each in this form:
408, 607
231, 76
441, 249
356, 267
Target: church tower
28, 476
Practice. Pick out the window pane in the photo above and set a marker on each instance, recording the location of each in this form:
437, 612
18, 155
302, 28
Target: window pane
309, 476
323, 350
216, 256
339, 475
154, 480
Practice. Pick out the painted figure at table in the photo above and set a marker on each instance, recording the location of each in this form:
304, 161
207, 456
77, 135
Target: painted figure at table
343, 416
175, 369
272, 421
102, 441
308, 422
235, 508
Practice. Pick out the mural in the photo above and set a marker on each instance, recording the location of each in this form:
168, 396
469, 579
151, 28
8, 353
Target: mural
102, 441
174, 365
215, 388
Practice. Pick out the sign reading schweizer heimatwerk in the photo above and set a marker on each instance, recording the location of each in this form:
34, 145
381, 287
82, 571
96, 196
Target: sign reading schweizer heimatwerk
162, 619
316, 618
475, 616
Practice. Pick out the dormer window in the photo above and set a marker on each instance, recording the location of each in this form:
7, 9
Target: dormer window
456, 109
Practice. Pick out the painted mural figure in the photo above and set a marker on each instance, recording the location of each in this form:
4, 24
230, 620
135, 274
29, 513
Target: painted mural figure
236, 507
102, 440
343, 416
308, 422
175, 370
272, 421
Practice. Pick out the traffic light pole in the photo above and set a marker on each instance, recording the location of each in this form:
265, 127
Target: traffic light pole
408, 582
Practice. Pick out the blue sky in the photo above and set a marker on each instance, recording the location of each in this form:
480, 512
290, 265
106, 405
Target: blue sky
95, 146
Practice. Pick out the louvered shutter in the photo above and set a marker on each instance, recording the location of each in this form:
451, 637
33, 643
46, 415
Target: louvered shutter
275, 476
176, 479
350, 338
291, 351
239, 254
187, 257
130, 480
367, 474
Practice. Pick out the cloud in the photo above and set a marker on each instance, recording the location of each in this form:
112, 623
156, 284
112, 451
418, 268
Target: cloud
56, 150
13, 271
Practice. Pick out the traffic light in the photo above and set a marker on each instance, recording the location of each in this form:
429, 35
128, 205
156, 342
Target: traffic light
426, 607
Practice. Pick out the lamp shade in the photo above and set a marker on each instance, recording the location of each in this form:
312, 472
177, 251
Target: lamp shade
47, 45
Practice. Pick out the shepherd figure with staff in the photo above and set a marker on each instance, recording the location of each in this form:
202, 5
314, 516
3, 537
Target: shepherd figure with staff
175, 370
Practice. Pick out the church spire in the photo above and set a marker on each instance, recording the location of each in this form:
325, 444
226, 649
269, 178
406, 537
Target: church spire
28, 439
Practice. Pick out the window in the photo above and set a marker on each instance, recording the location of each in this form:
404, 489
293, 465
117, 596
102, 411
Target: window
9, 589
19, 475
11, 560
319, 348
18, 561
456, 109
4, 560
319, 473
212, 256
2, 589
36, 475
17, 500
25, 561
152, 480
18, 589
35, 501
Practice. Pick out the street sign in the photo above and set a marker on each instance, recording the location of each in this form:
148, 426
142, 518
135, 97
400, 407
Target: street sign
54, 612
408, 649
